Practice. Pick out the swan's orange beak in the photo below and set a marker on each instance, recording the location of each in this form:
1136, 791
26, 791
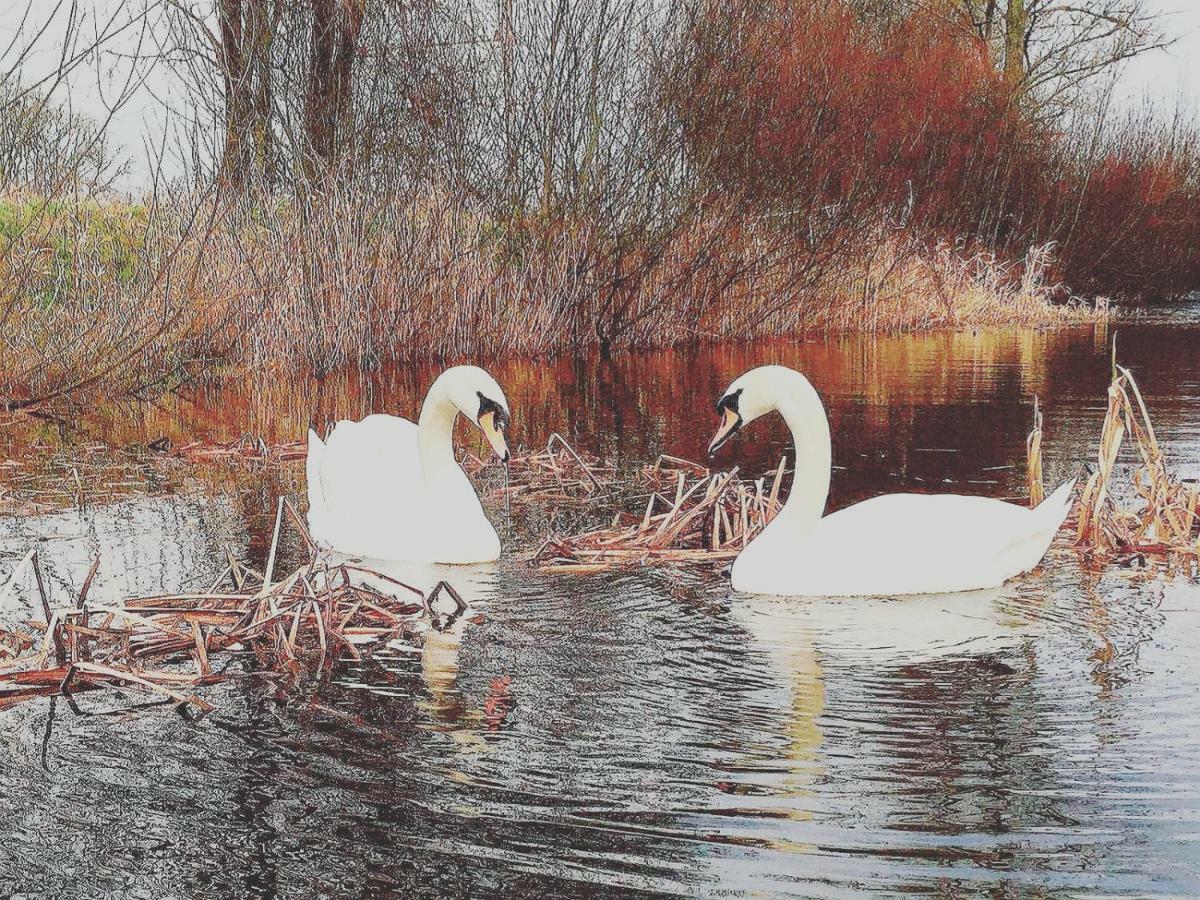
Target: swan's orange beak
730, 423
494, 432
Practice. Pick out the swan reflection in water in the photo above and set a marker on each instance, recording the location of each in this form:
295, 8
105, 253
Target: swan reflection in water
830, 656
444, 706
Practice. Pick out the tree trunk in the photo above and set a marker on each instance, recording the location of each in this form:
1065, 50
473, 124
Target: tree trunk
336, 26
246, 31
261, 22
1016, 24
235, 159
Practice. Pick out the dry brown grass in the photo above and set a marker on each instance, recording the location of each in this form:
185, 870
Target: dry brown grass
432, 280
902, 287
145, 301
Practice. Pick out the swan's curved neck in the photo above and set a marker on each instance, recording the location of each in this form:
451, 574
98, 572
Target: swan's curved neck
801, 408
435, 434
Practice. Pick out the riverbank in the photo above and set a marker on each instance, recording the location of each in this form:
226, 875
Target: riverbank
115, 299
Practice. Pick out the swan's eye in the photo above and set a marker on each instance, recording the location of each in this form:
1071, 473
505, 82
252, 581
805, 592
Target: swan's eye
730, 402
499, 413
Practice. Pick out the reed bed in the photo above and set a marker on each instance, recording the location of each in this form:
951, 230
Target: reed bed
1164, 515
691, 516
169, 644
214, 290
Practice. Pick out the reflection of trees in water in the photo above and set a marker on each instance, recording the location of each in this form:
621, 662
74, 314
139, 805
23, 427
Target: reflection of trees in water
579, 392
966, 391
965, 747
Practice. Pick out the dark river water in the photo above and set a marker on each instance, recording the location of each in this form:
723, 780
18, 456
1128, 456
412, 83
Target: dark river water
651, 732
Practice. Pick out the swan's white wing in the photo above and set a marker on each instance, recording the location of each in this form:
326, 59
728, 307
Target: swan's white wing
367, 476
370, 462
378, 503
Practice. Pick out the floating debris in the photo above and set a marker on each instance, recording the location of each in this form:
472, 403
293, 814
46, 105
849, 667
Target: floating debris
692, 515
247, 447
166, 644
38, 479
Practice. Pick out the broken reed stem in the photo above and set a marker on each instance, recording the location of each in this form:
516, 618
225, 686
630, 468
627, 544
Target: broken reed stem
270, 570
1033, 457
60, 652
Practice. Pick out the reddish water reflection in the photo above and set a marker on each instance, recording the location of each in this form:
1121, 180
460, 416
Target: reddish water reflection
911, 411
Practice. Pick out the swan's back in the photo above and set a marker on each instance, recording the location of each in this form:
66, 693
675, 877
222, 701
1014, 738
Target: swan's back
904, 544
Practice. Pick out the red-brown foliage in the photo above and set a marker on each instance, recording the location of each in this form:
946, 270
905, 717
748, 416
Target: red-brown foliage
831, 122
809, 105
1136, 226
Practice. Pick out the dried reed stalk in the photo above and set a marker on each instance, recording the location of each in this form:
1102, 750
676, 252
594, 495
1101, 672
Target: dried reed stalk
1168, 518
1033, 457
245, 447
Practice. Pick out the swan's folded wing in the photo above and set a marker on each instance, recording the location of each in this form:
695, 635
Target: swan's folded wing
907, 524
911, 543
371, 464
317, 511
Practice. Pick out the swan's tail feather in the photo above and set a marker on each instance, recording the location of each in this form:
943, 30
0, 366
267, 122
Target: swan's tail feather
1054, 509
317, 509
1051, 513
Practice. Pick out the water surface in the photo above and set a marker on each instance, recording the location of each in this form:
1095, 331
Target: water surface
650, 731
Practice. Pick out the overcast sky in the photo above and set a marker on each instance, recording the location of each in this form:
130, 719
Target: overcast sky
1175, 72
1165, 78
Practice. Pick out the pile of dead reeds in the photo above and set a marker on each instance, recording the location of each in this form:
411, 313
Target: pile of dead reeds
1167, 518
557, 474
692, 515
166, 644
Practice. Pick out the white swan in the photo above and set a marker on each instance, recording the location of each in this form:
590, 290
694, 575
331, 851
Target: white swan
894, 544
389, 489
